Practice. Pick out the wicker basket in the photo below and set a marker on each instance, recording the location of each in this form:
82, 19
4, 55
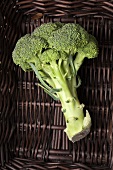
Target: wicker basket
31, 123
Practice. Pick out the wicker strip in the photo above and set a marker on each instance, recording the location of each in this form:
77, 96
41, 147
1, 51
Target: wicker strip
24, 164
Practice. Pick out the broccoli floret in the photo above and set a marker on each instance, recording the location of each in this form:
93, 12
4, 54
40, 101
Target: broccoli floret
89, 51
55, 52
27, 51
68, 38
46, 29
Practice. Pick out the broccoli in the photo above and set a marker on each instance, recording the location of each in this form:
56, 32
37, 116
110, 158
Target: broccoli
45, 30
55, 52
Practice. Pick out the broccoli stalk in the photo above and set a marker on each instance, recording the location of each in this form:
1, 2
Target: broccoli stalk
55, 52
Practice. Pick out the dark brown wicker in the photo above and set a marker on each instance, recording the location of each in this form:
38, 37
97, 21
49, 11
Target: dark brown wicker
31, 123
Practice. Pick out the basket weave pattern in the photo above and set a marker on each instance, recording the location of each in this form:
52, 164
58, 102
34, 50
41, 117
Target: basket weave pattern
66, 7
31, 123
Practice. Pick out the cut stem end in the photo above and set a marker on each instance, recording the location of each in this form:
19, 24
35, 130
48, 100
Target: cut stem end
80, 135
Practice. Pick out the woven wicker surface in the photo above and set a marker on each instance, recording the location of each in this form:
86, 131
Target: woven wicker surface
31, 123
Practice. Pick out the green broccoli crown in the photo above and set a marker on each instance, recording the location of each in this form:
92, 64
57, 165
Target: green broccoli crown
91, 49
27, 50
68, 38
46, 29
53, 41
